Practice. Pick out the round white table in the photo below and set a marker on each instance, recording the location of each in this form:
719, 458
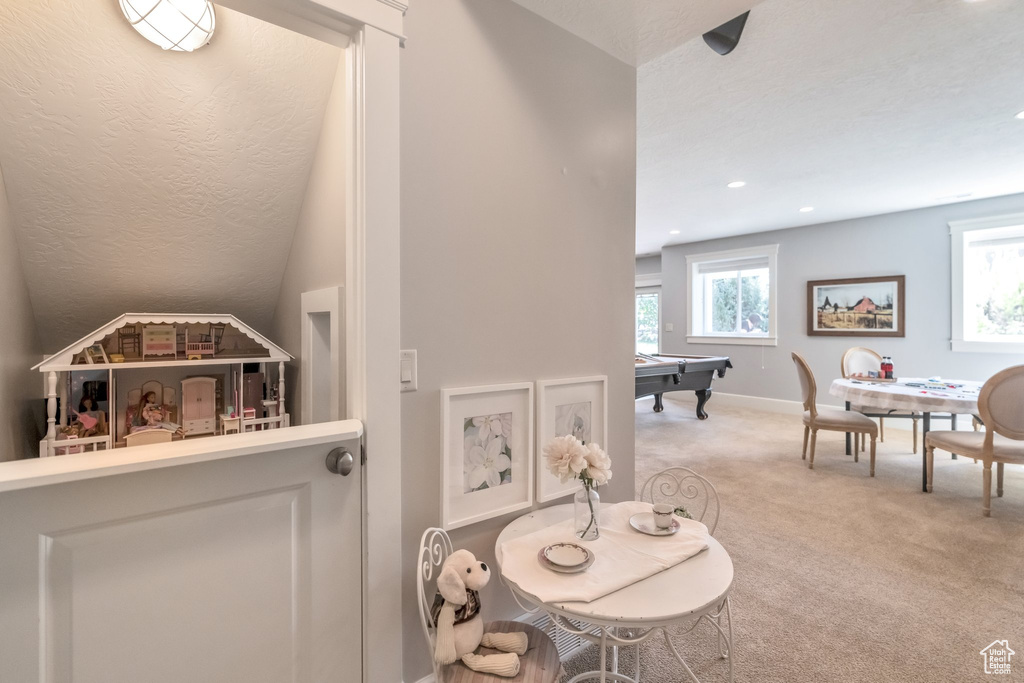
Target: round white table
693, 590
914, 396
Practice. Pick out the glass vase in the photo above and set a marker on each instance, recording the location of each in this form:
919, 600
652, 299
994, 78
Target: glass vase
587, 505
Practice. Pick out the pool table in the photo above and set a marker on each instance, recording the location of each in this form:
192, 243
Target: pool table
668, 372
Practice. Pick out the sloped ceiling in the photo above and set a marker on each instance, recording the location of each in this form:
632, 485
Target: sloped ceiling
140, 179
637, 31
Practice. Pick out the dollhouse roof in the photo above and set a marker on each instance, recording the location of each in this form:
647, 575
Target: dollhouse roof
262, 351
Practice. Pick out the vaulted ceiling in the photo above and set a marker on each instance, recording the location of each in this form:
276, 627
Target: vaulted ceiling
144, 180
853, 108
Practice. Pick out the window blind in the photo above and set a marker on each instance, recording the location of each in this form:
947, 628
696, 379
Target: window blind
753, 263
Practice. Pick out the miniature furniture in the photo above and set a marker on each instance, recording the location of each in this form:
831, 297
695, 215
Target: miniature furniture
540, 664
230, 424
668, 603
860, 360
829, 419
199, 405
159, 340
682, 487
1002, 441
195, 350
129, 337
147, 437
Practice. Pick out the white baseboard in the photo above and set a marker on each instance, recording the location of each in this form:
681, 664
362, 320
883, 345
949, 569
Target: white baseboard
429, 678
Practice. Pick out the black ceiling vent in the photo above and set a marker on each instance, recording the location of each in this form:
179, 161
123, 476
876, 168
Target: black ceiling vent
727, 36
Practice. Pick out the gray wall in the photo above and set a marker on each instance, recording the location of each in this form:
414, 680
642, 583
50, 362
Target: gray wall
317, 257
518, 202
648, 265
912, 243
21, 390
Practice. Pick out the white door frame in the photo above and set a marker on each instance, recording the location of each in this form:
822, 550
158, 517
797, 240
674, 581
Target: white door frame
372, 32
329, 301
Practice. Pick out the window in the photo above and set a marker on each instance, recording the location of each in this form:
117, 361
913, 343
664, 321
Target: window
733, 296
988, 284
648, 319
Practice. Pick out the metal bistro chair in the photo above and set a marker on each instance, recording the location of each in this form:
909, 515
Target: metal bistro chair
1001, 406
829, 419
860, 359
540, 664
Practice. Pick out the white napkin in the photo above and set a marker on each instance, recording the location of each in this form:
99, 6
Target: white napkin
622, 555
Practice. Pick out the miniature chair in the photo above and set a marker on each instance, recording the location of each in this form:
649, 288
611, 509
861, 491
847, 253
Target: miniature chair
129, 336
684, 488
1001, 406
540, 664
829, 419
859, 359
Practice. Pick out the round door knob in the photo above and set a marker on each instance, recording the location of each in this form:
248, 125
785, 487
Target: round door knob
340, 461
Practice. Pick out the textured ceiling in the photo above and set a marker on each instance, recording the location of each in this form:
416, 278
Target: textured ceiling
147, 180
855, 108
637, 31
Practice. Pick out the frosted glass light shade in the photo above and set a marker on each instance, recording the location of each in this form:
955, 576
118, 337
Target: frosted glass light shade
180, 25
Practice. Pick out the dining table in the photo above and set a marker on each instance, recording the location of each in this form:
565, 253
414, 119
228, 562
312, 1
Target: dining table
926, 399
613, 602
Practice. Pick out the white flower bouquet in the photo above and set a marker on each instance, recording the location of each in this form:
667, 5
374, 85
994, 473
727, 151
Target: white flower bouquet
568, 458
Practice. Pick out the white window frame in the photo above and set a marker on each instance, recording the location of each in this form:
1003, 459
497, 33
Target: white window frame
958, 231
696, 307
649, 289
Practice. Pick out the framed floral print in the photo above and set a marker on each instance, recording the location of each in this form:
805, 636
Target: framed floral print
577, 407
487, 452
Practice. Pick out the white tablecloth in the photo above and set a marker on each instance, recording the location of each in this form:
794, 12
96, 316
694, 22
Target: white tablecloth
911, 394
622, 556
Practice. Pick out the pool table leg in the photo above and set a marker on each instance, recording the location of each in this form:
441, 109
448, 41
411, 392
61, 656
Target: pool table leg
658, 405
702, 397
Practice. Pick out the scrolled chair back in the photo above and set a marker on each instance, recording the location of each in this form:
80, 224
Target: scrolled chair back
682, 486
859, 359
808, 388
1001, 404
435, 547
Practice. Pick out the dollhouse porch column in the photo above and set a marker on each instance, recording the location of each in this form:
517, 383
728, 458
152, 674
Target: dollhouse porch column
280, 390
64, 399
51, 406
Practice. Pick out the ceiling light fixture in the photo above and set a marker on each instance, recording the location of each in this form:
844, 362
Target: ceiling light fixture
673, 232
1020, 115
178, 25
736, 183
807, 209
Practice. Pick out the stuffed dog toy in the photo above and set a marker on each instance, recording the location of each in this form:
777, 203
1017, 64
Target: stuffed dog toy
460, 628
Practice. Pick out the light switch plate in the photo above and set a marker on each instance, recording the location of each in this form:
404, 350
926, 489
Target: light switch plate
407, 369
668, 327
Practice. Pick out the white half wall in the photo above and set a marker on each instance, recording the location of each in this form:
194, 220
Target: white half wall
912, 243
21, 391
518, 202
317, 257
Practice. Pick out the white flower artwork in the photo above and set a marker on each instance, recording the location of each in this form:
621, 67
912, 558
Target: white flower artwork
487, 447
573, 419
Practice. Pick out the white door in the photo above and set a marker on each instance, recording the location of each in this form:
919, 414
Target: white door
226, 559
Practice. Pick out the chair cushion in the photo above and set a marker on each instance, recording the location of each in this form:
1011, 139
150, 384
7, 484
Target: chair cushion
540, 663
972, 444
841, 421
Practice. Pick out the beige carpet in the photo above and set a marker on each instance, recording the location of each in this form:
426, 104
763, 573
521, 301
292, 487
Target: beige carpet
841, 577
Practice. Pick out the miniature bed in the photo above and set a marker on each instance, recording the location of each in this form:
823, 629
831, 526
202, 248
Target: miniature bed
199, 345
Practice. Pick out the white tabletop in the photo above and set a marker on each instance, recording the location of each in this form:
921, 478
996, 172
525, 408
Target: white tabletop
959, 396
688, 588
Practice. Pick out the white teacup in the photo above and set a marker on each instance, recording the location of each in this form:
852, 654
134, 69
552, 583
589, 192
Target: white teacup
663, 515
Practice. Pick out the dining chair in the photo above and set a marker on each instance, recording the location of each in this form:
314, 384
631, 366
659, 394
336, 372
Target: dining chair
1001, 407
128, 336
540, 664
682, 487
829, 419
860, 359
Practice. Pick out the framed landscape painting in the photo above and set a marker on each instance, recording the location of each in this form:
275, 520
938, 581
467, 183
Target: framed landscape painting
486, 451
856, 307
577, 406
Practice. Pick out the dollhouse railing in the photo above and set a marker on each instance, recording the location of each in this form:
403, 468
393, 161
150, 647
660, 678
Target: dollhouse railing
256, 424
90, 444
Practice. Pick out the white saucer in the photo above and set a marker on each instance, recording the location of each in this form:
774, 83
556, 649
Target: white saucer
548, 564
566, 554
644, 523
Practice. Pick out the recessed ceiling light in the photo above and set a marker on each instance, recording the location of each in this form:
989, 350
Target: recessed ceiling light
736, 183
673, 232
1020, 115
807, 209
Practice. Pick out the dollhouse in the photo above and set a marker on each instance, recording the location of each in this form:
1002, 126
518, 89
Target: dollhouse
150, 378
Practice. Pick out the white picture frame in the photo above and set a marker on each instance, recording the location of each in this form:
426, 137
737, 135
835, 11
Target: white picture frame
471, 419
555, 399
